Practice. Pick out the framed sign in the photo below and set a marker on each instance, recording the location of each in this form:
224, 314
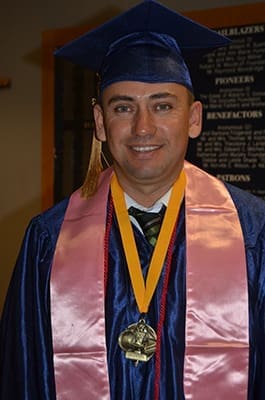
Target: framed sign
230, 83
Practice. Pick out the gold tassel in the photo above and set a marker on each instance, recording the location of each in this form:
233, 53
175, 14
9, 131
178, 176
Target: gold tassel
95, 167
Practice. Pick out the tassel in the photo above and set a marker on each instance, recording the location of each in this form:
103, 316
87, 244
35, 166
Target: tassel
95, 167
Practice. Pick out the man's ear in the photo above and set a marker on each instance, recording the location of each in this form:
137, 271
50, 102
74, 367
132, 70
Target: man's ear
195, 121
99, 123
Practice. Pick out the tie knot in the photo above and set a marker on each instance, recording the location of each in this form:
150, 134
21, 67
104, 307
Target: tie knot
150, 222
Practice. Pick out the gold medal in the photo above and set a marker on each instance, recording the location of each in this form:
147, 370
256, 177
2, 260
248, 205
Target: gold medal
138, 342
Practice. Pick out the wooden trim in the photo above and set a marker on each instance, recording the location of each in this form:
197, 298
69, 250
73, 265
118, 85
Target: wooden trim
213, 18
229, 16
47, 119
50, 40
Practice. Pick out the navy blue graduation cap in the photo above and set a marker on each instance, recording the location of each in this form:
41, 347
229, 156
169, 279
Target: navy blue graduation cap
147, 43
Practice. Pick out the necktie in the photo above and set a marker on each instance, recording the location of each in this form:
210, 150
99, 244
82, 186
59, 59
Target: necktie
150, 222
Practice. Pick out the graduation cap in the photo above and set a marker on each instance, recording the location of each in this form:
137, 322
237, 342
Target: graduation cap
147, 43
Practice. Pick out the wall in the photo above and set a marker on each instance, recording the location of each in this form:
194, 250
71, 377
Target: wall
20, 106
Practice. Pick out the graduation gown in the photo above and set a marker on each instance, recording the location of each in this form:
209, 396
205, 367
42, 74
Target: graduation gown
26, 337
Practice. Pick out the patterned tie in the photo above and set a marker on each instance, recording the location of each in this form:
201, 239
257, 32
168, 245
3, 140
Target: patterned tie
150, 222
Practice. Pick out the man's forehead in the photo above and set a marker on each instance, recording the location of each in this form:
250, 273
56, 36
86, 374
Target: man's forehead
129, 90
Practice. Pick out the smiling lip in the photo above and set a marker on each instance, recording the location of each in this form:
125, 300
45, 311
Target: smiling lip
145, 149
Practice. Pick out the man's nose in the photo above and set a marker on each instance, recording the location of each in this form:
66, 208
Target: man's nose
144, 123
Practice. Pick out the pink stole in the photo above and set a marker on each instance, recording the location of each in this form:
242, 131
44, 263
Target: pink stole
217, 342
216, 359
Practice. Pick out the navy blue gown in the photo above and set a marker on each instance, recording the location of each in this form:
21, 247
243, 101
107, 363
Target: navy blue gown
26, 355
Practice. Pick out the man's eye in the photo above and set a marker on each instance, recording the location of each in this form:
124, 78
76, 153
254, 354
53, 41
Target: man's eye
163, 107
123, 108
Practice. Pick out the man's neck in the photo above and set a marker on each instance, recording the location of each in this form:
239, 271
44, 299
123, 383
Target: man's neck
146, 192
147, 198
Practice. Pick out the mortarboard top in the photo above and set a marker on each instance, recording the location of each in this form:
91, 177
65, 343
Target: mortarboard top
191, 38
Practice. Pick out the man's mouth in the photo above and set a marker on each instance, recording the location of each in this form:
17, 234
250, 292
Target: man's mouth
145, 149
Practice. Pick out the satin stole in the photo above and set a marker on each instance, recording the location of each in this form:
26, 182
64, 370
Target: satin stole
216, 357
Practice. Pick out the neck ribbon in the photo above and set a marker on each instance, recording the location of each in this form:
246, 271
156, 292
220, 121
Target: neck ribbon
143, 292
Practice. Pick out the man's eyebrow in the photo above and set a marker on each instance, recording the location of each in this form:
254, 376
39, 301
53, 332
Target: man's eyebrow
161, 95
122, 97
117, 98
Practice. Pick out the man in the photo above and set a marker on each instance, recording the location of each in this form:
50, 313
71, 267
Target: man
95, 310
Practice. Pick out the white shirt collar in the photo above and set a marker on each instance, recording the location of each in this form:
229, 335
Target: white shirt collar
154, 208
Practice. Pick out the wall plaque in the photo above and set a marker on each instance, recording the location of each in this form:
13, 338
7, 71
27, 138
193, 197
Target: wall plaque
230, 82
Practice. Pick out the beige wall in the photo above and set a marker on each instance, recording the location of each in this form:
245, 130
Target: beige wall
20, 106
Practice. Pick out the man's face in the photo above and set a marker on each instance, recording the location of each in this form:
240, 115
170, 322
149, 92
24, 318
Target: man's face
147, 128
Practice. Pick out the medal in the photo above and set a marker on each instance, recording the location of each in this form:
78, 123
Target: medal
138, 342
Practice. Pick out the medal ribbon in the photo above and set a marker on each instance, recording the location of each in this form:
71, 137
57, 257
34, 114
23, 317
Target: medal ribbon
144, 292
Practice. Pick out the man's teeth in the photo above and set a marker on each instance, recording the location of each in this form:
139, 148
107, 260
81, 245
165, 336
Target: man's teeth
145, 148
